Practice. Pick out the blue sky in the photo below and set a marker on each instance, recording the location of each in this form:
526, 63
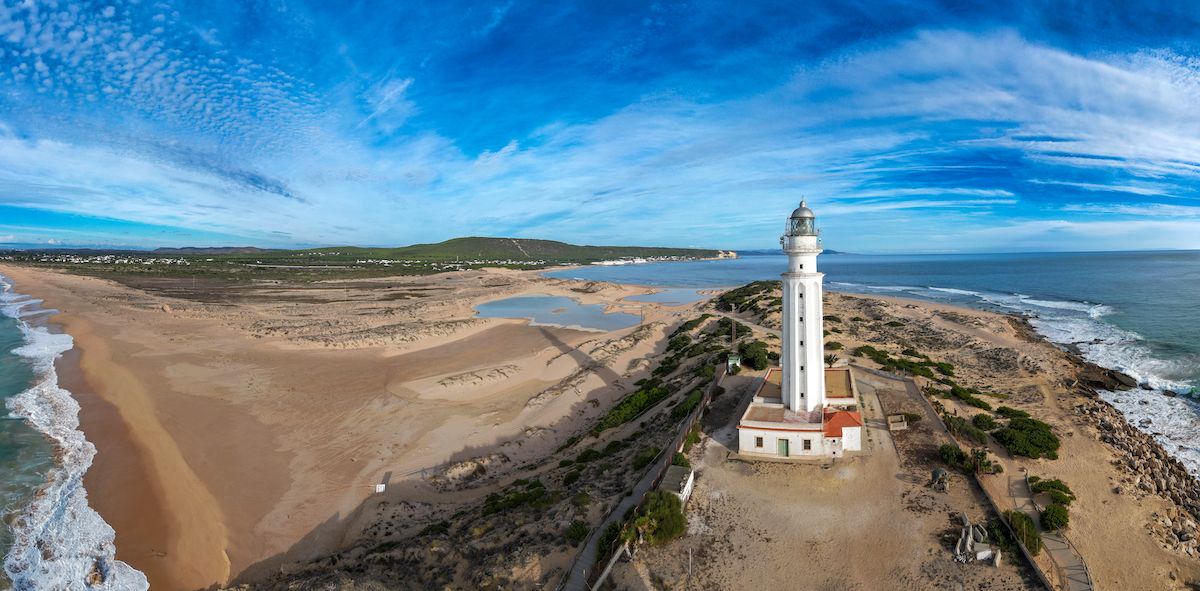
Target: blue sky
910, 126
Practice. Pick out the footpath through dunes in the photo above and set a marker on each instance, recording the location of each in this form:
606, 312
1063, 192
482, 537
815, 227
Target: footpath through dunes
241, 434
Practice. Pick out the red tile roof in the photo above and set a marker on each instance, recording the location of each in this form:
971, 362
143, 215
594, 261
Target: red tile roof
836, 420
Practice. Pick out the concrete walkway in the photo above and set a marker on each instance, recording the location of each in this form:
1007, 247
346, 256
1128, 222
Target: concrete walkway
1071, 570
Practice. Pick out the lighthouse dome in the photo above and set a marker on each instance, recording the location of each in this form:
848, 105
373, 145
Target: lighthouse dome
802, 222
803, 212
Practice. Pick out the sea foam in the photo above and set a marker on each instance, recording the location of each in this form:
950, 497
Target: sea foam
59, 541
1170, 419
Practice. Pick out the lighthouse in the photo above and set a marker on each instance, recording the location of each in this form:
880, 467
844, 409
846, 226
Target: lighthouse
803, 387
802, 408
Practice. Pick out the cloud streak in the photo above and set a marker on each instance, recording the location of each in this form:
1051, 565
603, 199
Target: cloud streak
264, 127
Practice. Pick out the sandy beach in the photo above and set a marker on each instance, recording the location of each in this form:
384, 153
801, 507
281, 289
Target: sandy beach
234, 436
242, 431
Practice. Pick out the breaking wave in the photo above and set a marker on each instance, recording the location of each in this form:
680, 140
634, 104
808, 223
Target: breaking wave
59, 541
1164, 406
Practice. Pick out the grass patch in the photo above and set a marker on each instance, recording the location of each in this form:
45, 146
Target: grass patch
684, 408
961, 426
633, 405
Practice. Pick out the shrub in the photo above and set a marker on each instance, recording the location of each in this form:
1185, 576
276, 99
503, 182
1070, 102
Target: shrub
951, 454
893, 323
1028, 437
693, 437
644, 457
961, 426
1011, 413
691, 324
1055, 517
570, 477
577, 532
679, 342
746, 295
912, 417
632, 406
969, 396
1026, 531
911, 352
834, 346
532, 494
984, 421
754, 355
608, 539
1059, 492
680, 460
858, 319
665, 520
581, 500
684, 408
588, 455
832, 318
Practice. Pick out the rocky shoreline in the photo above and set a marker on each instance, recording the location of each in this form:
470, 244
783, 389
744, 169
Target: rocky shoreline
1148, 467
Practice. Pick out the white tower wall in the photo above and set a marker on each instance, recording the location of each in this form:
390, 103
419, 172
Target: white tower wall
802, 357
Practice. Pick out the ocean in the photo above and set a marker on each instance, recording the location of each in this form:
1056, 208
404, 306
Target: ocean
51, 538
1137, 312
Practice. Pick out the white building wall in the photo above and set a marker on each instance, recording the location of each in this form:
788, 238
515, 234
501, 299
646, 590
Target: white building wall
747, 442
852, 438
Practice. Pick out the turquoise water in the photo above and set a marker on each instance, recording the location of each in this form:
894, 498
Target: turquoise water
52, 539
1138, 312
668, 296
557, 311
25, 455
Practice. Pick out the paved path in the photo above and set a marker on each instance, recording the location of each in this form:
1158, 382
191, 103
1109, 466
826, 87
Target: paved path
1072, 572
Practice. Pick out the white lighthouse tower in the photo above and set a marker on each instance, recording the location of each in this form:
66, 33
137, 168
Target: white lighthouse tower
802, 408
803, 334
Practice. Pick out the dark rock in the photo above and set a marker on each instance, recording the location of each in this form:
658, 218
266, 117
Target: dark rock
1169, 393
1101, 378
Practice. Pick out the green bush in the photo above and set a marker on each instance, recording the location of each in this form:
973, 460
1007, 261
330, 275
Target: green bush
969, 396
532, 494
577, 532
608, 540
858, 319
893, 323
570, 477
693, 437
984, 421
1055, 517
684, 408
679, 342
1028, 437
1011, 413
1059, 492
834, 346
961, 426
632, 406
680, 460
951, 454
644, 457
1026, 531
754, 355
832, 318
665, 519
691, 324
581, 500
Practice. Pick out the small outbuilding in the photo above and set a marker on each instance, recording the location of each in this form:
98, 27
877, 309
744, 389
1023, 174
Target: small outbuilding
678, 481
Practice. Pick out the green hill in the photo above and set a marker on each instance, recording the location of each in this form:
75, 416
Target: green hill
517, 249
